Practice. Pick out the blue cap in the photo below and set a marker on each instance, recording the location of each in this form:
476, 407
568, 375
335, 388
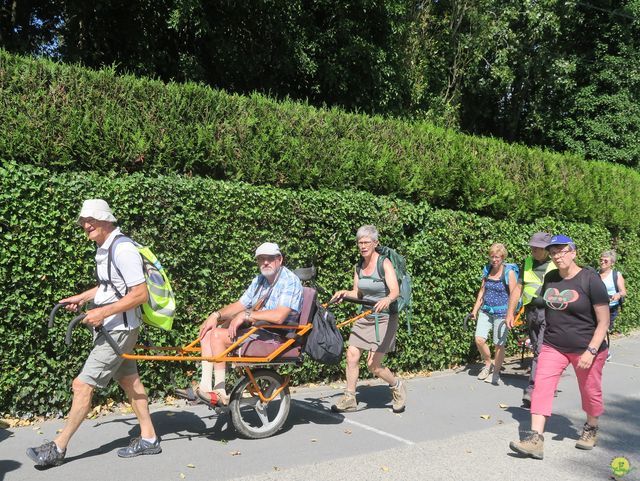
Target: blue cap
561, 240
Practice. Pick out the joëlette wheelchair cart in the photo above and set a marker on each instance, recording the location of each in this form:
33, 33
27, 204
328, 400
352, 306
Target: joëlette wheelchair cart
259, 402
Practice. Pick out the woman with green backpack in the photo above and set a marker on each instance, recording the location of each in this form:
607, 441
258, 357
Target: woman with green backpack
375, 333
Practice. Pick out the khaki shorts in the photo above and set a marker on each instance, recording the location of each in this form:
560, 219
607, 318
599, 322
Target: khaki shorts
103, 363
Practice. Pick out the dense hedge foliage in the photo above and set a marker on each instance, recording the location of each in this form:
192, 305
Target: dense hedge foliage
205, 231
68, 118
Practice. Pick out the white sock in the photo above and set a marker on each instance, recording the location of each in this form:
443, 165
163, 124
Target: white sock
219, 375
150, 440
205, 379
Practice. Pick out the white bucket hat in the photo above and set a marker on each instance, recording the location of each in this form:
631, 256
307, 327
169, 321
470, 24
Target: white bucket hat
268, 249
97, 209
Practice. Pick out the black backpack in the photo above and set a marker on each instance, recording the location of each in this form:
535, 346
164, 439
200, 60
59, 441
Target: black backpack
324, 342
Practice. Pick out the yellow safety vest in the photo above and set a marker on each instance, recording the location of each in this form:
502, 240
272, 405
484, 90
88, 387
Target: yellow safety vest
531, 282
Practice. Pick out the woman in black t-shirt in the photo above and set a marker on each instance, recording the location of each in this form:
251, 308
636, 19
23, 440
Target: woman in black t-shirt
577, 319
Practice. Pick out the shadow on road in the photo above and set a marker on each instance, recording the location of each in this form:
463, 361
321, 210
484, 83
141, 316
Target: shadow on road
169, 425
7, 465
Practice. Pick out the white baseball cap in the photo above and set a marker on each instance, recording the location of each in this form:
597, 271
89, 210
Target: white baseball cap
268, 249
97, 209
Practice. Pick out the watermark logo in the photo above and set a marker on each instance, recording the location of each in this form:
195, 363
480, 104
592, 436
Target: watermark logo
620, 466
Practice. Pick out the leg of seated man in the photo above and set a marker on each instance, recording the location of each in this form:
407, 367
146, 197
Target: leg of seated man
207, 366
220, 341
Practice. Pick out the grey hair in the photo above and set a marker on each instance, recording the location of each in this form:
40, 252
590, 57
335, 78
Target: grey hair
369, 231
610, 254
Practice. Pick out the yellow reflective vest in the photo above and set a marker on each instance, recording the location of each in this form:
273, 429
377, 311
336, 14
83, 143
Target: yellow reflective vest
531, 283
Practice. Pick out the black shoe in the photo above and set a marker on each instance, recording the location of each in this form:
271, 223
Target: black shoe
46, 455
139, 446
526, 400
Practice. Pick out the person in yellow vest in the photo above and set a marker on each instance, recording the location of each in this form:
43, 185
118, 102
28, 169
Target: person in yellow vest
530, 280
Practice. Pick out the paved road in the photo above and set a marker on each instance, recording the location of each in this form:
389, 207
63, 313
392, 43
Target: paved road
441, 436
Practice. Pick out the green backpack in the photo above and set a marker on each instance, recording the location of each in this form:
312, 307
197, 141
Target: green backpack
160, 309
403, 303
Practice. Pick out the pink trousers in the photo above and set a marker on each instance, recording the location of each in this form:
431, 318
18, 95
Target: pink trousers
551, 365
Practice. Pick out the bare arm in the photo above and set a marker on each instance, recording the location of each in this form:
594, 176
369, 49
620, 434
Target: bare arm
478, 304
137, 296
602, 319
227, 313
514, 296
348, 293
80, 299
622, 290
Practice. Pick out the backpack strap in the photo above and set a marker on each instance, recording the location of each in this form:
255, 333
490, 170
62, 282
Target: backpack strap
109, 281
614, 275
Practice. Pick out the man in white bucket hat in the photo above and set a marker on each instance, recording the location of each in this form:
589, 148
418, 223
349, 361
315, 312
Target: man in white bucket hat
120, 315
275, 296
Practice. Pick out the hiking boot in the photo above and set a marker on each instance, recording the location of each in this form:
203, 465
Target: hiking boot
47, 454
494, 379
399, 397
486, 370
526, 399
139, 446
346, 403
588, 438
532, 445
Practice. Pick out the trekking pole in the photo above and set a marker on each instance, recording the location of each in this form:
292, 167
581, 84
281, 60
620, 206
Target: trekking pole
99, 330
362, 302
518, 319
465, 322
54, 311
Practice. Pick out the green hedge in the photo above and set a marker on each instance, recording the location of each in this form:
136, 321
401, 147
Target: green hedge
69, 118
205, 231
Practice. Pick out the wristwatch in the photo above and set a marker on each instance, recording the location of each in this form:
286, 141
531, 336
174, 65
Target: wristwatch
247, 315
592, 350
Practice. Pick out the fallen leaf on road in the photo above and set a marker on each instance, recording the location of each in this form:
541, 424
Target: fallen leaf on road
314, 440
347, 431
503, 406
276, 468
235, 453
40, 432
182, 476
485, 416
384, 468
191, 465
58, 431
171, 414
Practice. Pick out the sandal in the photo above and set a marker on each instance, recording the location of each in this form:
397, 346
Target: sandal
214, 398
189, 394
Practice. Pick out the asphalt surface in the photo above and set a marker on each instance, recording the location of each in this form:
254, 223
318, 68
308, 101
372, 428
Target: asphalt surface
455, 428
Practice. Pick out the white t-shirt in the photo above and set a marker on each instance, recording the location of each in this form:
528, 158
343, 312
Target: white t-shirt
129, 261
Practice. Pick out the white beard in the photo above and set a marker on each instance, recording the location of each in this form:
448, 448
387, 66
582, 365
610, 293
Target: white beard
267, 271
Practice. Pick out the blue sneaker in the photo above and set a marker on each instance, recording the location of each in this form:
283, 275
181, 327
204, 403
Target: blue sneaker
139, 446
47, 454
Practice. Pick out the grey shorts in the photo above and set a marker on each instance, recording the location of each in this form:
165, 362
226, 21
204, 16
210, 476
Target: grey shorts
103, 363
488, 322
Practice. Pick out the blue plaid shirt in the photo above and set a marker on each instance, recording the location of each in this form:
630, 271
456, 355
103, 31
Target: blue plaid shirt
287, 292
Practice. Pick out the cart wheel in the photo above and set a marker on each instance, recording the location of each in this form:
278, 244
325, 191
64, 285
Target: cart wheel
250, 416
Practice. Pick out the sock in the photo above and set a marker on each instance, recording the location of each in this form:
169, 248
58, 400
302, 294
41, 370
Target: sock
60, 451
219, 374
396, 384
205, 379
150, 440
